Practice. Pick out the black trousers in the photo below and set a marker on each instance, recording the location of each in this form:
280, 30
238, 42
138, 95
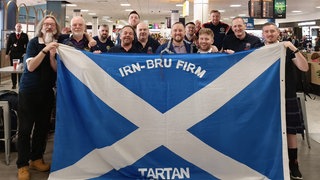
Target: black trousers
34, 112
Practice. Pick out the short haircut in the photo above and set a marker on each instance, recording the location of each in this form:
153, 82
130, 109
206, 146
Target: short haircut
104, 25
125, 27
190, 23
177, 23
134, 12
270, 24
214, 11
206, 31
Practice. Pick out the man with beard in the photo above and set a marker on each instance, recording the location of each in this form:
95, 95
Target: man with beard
103, 41
206, 41
145, 43
177, 44
16, 48
294, 60
36, 97
240, 40
78, 38
127, 38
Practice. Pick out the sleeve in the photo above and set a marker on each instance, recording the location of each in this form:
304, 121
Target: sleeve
9, 44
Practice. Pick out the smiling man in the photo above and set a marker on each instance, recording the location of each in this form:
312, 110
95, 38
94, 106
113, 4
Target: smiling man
294, 60
177, 44
240, 40
127, 38
206, 40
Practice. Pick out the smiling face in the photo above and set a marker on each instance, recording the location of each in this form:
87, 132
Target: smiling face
178, 32
239, 27
205, 39
270, 33
77, 26
142, 32
126, 36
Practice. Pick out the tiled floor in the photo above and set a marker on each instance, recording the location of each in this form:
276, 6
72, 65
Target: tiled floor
309, 158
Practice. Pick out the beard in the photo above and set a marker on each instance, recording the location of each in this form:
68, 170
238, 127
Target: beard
48, 36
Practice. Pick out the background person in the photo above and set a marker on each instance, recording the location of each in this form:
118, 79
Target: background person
36, 97
294, 59
103, 41
16, 48
219, 29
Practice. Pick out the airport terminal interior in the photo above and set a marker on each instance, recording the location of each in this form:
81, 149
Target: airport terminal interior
296, 18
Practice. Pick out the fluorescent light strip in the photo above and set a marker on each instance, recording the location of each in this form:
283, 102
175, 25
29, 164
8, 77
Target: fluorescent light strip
235, 5
125, 4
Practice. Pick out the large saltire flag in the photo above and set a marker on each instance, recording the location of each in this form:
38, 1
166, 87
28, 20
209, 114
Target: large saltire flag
182, 116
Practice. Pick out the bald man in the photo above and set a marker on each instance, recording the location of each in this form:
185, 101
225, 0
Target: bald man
145, 43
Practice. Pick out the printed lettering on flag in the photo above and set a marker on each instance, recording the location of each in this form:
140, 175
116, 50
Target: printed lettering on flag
182, 116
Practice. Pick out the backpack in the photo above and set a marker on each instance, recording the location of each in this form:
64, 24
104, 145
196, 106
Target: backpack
12, 98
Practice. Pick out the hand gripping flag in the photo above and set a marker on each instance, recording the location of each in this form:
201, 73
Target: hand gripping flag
181, 116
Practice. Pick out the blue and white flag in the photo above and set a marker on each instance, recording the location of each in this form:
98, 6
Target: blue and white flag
181, 116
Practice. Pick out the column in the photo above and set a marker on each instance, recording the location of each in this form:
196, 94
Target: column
201, 7
58, 9
95, 23
174, 16
76, 12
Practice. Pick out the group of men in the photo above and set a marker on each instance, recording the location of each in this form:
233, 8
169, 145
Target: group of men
36, 96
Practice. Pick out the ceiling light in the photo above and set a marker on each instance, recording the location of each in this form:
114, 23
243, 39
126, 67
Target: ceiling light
296, 11
307, 23
222, 10
71, 5
242, 15
92, 14
235, 5
318, 7
84, 10
179, 5
127, 4
128, 10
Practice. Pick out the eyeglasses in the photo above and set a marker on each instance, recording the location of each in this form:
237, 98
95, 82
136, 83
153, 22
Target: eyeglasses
49, 24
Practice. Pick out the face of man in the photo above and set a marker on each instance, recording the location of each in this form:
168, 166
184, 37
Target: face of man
142, 32
134, 20
205, 41
190, 29
103, 32
77, 26
215, 18
127, 36
178, 33
270, 33
239, 28
48, 30
18, 27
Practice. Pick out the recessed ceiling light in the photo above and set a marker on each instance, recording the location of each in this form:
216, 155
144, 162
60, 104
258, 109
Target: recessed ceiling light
84, 10
296, 11
179, 5
128, 10
92, 14
127, 4
242, 15
222, 10
235, 5
71, 5
318, 7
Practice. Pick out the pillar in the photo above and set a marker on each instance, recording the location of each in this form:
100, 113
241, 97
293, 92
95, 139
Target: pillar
58, 9
95, 23
201, 7
174, 16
